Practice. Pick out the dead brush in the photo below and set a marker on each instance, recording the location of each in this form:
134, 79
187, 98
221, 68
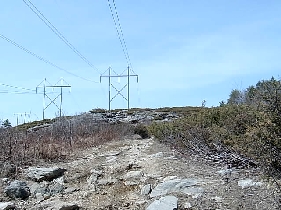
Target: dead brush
57, 141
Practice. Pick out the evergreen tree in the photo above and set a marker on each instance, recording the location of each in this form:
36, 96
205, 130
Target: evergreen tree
6, 123
236, 97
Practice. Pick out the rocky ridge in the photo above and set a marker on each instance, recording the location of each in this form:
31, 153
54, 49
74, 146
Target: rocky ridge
135, 173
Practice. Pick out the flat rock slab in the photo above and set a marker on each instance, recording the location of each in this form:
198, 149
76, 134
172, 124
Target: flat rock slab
186, 186
249, 183
110, 153
17, 189
133, 175
58, 205
44, 174
164, 203
109, 181
7, 206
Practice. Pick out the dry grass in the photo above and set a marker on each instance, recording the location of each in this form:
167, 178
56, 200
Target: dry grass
56, 142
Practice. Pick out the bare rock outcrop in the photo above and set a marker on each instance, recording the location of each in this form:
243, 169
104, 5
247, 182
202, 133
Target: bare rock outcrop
164, 203
44, 174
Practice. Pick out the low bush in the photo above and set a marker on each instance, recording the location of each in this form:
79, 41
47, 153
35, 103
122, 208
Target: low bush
241, 129
142, 131
56, 142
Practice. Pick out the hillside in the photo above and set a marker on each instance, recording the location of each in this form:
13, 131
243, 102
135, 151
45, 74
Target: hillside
135, 173
109, 161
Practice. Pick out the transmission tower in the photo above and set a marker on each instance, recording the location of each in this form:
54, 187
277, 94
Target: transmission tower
46, 95
22, 115
119, 91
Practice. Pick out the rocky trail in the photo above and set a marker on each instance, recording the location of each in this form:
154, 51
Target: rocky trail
135, 173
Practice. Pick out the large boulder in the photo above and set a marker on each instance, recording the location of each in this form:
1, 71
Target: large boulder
46, 189
44, 174
164, 203
185, 186
17, 189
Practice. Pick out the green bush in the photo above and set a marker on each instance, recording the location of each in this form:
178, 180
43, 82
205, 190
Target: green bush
243, 129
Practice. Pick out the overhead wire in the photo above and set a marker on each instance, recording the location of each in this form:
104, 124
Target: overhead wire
42, 17
123, 39
19, 90
15, 92
117, 30
16, 87
120, 33
43, 59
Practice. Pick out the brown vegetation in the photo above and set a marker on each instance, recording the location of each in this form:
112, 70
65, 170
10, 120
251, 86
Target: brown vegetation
20, 146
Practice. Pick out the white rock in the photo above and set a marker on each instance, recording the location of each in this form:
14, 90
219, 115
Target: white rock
92, 179
249, 183
218, 199
157, 155
98, 172
5, 180
111, 153
39, 196
7, 205
130, 183
169, 178
133, 175
59, 205
70, 190
187, 205
164, 203
224, 172
59, 180
186, 186
107, 181
111, 159
145, 190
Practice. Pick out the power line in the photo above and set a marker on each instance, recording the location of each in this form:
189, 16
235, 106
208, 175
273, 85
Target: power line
120, 33
117, 30
16, 92
20, 93
41, 16
124, 43
42, 59
16, 87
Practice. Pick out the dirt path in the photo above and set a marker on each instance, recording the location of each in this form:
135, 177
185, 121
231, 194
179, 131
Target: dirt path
119, 175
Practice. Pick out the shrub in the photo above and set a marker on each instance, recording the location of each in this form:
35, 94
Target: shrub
241, 129
56, 142
142, 131
98, 110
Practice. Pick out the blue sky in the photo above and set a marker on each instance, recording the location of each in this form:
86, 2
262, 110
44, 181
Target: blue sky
183, 51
